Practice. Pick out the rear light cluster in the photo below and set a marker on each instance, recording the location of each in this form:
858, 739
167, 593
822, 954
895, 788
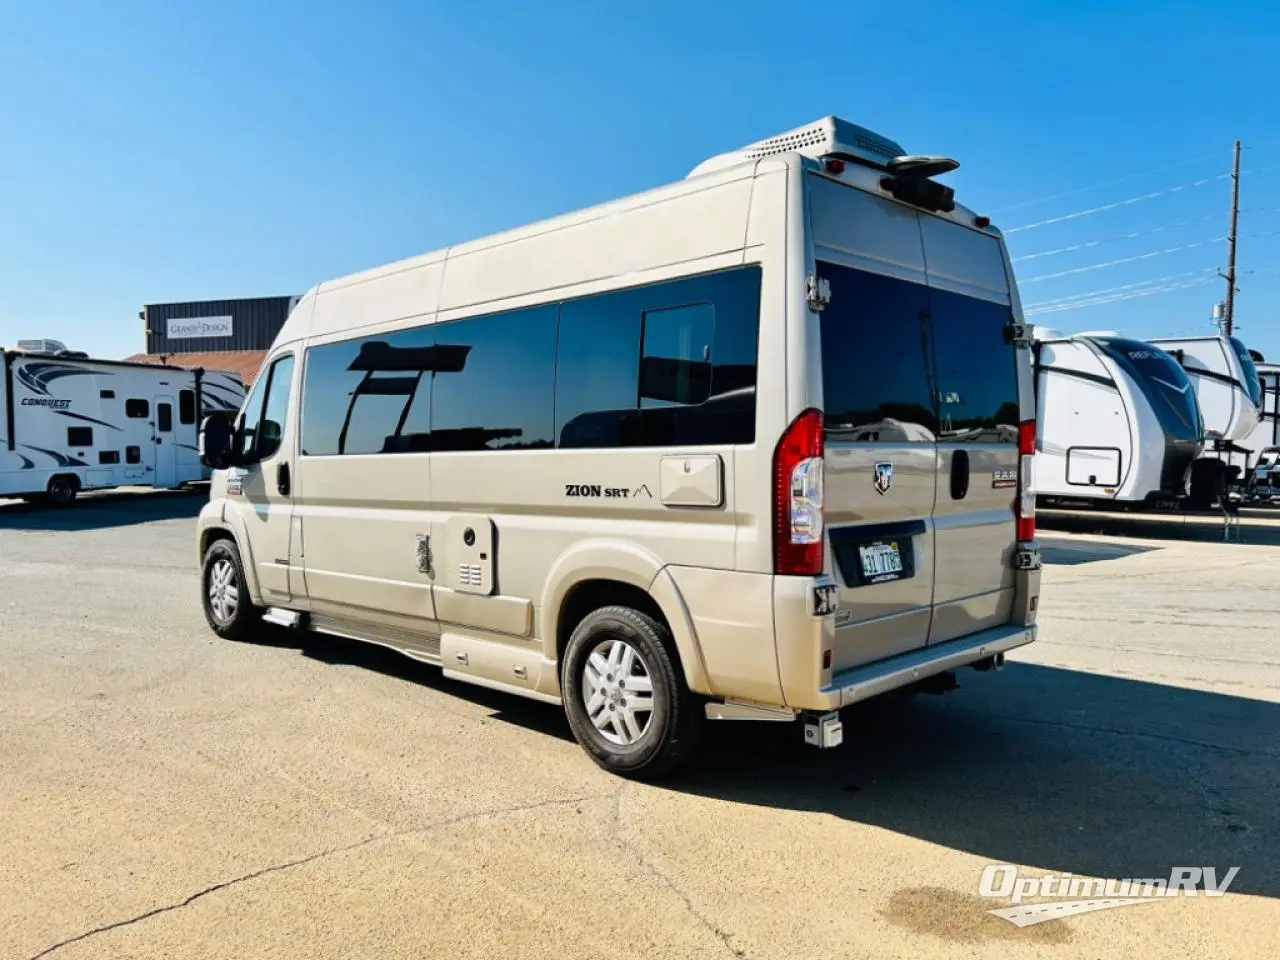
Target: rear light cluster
1025, 505
798, 498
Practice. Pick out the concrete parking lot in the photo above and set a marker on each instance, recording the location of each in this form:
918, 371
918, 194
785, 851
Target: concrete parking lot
168, 795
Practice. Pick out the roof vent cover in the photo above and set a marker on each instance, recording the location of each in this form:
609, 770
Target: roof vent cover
828, 137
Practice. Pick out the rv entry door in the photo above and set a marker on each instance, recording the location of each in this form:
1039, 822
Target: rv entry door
166, 474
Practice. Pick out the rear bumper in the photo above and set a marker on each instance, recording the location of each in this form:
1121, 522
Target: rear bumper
872, 679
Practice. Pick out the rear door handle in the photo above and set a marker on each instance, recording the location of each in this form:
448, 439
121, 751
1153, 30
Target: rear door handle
959, 474
282, 479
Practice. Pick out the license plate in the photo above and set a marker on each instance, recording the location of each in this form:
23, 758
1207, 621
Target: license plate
880, 562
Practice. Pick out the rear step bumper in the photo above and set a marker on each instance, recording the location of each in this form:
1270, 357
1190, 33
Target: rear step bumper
872, 679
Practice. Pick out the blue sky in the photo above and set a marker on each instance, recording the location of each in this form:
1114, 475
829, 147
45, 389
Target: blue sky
157, 151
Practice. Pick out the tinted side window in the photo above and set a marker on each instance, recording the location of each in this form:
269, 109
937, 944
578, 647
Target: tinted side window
502, 395
186, 406
137, 409
79, 436
976, 370
132, 454
669, 363
264, 427
164, 417
108, 456
875, 373
370, 395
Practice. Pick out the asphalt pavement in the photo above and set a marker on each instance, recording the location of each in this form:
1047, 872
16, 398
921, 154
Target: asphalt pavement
166, 794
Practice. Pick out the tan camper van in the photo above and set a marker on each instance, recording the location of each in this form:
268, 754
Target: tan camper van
754, 445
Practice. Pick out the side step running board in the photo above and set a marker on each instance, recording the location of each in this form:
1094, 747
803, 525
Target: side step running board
285, 618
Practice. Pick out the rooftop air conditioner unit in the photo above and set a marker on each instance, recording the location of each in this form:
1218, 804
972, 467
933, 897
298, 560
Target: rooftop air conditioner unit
45, 345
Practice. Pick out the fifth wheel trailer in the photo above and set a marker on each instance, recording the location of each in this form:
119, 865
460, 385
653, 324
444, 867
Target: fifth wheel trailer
1229, 392
1116, 420
70, 423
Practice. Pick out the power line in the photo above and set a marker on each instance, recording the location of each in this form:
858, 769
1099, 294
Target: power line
1106, 183
1097, 243
1117, 298
1115, 263
1118, 204
1126, 286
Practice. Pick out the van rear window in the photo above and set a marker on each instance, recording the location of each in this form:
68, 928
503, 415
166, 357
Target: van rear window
902, 362
976, 369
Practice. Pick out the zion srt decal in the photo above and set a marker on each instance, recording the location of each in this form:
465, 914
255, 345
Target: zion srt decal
593, 490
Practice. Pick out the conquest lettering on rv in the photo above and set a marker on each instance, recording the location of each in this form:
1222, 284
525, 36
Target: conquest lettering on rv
594, 490
45, 402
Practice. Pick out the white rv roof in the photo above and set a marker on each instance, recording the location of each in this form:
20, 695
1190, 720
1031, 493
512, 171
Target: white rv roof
828, 137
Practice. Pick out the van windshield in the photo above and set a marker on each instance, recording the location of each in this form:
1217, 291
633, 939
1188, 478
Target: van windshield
1251, 382
1162, 381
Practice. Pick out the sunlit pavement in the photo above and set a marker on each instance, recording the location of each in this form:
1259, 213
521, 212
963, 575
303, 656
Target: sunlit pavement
166, 794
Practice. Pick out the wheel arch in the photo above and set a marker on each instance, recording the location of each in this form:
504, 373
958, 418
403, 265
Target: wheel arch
596, 574
217, 525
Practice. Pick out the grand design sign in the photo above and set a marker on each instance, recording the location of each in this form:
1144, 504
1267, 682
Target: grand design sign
191, 328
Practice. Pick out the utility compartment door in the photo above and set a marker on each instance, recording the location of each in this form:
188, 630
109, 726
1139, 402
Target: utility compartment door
976, 377
881, 451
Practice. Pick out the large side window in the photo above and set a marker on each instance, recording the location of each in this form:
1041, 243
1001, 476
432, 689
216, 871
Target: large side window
667, 364
186, 406
501, 394
266, 411
876, 376
976, 370
370, 395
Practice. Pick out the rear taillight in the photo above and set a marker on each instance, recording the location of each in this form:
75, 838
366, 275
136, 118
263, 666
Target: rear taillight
797, 498
1025, 506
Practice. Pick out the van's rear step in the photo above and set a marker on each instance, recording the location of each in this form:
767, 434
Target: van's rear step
873, 679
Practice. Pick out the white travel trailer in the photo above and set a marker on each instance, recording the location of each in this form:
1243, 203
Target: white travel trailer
1116, 420
1225, 379
70, 423
1263, 441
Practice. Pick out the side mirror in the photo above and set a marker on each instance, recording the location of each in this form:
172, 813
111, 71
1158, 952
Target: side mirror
270, 437
216, 442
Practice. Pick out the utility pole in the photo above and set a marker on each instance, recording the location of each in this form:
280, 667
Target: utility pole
1229, 313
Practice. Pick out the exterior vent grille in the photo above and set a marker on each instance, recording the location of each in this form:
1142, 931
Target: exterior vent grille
470, 575
828, 137
786, 143
882, 147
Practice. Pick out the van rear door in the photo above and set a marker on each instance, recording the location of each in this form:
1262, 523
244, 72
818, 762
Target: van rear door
976, 377
881, 453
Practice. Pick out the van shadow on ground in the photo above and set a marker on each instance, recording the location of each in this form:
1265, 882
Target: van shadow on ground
1070, 771
1064, 770
99, 511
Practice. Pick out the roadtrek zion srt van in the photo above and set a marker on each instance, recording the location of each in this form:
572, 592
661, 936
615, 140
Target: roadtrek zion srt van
753, 445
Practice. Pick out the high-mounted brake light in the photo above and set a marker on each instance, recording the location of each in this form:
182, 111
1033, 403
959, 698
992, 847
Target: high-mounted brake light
833, 165
982, 222
798, 498
1025, 505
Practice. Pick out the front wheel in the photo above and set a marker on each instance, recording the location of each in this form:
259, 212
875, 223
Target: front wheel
225, 596
625, 695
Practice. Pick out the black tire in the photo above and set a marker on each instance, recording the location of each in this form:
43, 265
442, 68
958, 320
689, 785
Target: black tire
62, 490
232, 624
1208, 483
676, 719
